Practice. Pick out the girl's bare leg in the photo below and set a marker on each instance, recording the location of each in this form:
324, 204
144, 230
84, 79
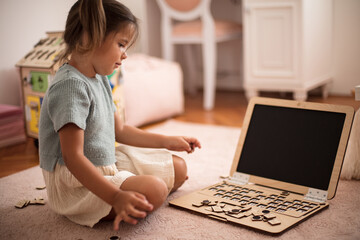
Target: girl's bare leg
153, 188
180, 169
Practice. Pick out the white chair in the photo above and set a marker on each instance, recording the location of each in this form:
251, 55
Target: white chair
190, 22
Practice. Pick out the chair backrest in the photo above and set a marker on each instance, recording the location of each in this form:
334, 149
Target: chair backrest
185, 10
184, 5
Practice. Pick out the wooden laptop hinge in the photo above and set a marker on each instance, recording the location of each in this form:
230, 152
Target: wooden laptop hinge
240, 178
316, 195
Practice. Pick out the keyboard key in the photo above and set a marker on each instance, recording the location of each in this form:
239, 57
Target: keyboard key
270, 208
280, 210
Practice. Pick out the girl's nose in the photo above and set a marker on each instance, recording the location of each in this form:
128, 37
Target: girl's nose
124, 56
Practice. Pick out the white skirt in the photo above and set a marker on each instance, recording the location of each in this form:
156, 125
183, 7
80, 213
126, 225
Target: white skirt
68, 197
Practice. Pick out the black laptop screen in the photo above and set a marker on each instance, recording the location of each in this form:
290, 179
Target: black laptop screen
293, 145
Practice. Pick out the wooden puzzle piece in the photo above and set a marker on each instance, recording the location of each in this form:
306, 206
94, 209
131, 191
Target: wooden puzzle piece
208, 209
22, 203
274, 222
257, 213
269, 216
238, 216
227, 209
38, 201
246, 208
197, 204
217, 209
224, 177
246, 214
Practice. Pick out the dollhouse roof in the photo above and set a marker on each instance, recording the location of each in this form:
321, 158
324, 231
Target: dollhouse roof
45, 53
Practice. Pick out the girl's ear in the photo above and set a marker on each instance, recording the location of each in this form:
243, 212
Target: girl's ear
84, 44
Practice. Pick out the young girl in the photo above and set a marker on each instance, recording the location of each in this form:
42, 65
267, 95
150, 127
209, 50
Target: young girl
86, 179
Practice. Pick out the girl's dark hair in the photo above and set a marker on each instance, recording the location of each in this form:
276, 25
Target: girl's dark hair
96, 19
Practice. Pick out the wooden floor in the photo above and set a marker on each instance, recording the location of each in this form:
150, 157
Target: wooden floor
229, 110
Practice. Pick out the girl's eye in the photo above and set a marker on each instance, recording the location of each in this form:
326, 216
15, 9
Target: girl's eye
121, 45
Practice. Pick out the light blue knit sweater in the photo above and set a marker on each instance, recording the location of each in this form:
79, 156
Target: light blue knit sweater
86, 102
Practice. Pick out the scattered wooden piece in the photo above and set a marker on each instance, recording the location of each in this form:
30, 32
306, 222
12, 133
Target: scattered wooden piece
269, 216
197, 204
274, 222
22, 203
217, 209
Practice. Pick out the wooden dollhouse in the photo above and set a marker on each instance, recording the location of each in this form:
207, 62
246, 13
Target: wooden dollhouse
37, 69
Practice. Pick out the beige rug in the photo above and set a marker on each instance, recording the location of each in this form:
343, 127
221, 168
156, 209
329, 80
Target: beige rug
340, 221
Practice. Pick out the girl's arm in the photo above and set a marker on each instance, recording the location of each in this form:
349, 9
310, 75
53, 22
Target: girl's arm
125, 203
136, 137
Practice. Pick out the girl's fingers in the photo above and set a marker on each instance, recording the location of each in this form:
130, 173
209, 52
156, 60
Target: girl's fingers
141, 196
196, 143
130, 220
193, 141
144, 205
117, 221
125, 218
136, 213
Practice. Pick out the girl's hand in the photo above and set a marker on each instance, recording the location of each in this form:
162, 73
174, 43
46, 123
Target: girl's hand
130, 206
180, 143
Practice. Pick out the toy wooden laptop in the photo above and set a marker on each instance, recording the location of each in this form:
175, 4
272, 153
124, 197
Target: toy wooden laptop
287, 164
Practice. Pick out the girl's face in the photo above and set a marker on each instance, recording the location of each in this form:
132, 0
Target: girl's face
110, 54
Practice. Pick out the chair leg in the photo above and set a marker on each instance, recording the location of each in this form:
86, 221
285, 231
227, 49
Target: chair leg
167, 45
168, 51
209, 62
190, 83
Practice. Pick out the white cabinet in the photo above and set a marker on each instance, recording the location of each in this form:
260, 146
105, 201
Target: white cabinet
287, 46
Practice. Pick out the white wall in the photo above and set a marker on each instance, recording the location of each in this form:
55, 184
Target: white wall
346, 45
24, 22
148, 14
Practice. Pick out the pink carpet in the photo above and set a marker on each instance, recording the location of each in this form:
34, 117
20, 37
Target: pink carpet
340, 221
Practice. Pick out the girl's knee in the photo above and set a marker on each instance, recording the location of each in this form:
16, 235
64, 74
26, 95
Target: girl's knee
157, 191
153, 188
180, 170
